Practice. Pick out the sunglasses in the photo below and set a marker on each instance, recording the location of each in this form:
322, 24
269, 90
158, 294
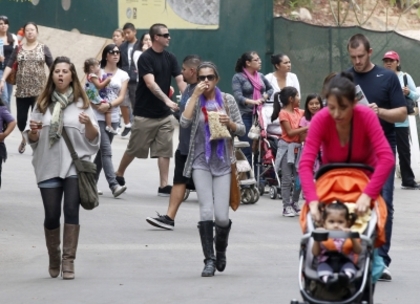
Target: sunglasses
4, 18
204, 77
164, 35
112, 52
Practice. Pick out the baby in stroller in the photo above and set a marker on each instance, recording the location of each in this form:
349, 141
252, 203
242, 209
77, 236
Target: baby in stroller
336, 257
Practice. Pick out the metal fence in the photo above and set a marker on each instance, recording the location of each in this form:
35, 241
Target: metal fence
315, 51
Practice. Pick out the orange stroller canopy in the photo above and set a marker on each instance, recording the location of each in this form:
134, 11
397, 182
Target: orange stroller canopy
346, 185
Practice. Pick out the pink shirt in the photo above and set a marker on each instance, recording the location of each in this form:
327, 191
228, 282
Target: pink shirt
370, 147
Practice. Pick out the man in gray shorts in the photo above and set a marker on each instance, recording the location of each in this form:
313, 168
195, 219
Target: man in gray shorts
181, 183
152, 127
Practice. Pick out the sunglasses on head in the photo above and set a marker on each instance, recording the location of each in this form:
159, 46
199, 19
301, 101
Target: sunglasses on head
209, 77
113, 52
164, 35
4, 18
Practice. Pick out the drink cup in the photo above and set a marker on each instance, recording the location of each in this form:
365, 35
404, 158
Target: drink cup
37, 117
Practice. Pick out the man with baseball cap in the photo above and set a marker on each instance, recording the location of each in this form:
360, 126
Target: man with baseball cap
391, 62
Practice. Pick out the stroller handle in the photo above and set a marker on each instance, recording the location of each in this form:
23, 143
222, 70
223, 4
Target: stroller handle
323, 235
328, 167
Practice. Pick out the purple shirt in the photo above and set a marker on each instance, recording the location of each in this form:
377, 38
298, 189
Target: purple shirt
5, 116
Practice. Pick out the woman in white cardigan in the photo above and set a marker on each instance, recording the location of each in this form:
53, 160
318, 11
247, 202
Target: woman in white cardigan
63, 105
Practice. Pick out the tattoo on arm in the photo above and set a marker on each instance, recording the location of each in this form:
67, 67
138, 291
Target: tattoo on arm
157, 91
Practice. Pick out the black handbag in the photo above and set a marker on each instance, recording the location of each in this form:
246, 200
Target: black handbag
86, 173
411, 104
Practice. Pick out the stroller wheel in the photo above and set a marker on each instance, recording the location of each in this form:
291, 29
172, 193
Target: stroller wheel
187, 193
256, 193
247, 195
273, 192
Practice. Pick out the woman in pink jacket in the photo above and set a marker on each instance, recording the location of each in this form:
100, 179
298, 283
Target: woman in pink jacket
346, 132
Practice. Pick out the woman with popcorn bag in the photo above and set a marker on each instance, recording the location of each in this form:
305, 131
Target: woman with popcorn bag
215, 117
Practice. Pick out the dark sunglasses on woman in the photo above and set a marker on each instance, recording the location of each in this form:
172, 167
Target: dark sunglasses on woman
112, 52
209, 77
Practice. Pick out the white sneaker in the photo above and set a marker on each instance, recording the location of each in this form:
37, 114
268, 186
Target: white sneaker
100, 192
386, 275
289, 212
118, 190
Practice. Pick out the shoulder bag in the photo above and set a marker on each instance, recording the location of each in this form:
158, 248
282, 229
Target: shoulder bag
86, 173
11, 79
235, 192
255, 131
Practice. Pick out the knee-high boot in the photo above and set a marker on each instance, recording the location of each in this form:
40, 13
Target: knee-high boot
221, 243
206, 235
52, 239
70, 240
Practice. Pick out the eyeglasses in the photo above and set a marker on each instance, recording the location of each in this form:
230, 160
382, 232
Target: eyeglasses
256, 60
112, 52
166, 36
209, 77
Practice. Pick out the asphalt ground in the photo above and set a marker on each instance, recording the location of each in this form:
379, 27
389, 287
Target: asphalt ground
122, 259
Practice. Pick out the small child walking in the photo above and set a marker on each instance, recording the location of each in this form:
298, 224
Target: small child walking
7, 124
336, 216
94, 84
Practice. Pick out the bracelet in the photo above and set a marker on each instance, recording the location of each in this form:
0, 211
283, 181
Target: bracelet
110, 105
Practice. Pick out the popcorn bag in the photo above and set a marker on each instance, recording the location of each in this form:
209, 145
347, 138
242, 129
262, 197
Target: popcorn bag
217, 130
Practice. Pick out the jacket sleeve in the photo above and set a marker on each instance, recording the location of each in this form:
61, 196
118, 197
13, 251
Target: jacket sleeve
235, 115
237, 89
185, 122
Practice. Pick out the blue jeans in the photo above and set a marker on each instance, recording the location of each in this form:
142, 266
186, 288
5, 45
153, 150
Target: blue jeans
103, 158
388, 196
247, 119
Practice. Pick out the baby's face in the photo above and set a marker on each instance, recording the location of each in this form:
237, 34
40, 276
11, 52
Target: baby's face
336, 220
95, 69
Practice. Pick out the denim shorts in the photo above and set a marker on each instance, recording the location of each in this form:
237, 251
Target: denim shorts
55, 182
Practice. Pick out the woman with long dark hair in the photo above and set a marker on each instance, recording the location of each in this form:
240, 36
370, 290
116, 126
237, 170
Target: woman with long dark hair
251, 90
209, 162
10, 41
114, 95
61, 106
32, 56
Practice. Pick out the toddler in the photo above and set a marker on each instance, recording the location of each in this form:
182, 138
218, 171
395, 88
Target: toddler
336, 216
94, 84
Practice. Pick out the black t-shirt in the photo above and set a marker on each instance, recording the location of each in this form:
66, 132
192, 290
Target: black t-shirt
381, 86
163, 66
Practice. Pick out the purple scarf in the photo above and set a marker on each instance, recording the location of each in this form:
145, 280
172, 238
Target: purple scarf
221, 142
255, 80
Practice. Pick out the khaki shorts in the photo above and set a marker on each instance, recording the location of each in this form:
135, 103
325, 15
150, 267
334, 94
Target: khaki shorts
154, 134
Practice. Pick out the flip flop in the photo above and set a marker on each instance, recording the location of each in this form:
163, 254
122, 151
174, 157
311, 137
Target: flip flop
22, 147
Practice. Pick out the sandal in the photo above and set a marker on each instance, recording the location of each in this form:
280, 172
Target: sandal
22, 147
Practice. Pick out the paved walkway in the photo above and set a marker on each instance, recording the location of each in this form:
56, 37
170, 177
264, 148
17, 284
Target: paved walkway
122, 259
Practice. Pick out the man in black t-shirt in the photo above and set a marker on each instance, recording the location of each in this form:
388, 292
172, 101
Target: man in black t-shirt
152, 128
382, 89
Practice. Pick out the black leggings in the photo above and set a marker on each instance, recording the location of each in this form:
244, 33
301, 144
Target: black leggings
52, 197
22, 107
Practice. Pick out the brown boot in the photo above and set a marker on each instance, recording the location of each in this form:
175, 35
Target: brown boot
70, 240
52, 238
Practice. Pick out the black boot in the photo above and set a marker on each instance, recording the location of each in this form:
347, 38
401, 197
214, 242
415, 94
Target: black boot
206, 235
221, 243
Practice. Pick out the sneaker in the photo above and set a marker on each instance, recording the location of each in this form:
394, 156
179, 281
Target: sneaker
126, 133
120, 180
119, 129
288, 211
165, 191
414, 186
100, 192
162, 221
118, 190
110, 130
296, 208
386, 275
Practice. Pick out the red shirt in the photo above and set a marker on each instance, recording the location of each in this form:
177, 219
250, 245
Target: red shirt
293, 119
370, 147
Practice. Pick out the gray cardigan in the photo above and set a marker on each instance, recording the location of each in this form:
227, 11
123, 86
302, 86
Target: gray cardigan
234, 115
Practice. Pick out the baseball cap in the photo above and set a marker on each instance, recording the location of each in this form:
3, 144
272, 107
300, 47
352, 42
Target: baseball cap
391, 55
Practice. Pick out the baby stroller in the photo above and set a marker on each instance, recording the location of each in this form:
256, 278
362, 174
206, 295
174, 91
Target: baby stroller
343, 182
249, 191
247, 182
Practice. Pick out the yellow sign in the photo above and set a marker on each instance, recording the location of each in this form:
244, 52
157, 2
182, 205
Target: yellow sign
175, 14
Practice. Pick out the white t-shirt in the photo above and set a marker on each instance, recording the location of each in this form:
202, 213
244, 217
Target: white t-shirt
291, 81
136, 57
112, 92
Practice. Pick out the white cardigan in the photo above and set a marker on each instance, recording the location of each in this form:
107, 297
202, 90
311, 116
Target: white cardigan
56, 161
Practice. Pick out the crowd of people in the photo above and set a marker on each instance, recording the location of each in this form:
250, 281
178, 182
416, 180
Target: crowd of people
128, 92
